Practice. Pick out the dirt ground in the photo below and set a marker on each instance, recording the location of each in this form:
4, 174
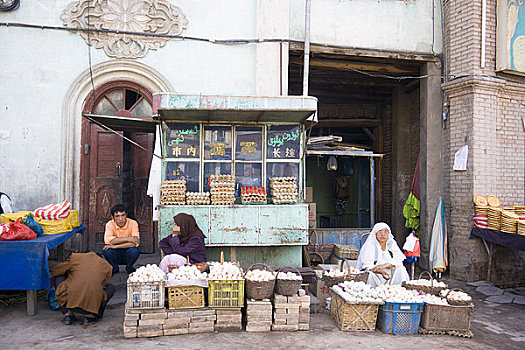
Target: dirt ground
495, 326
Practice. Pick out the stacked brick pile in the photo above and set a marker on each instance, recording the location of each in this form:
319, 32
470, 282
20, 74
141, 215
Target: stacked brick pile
285, 313
304, 311
258, 316
228, 320
291, 313
159, 322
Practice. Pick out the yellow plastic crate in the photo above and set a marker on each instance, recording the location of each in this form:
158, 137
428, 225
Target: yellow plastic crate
226, 293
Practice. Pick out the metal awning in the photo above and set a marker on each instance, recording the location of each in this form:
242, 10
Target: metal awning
124, 123
230, 109
368, 154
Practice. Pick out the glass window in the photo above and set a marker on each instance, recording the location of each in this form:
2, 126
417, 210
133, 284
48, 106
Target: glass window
213, 168
247, 174
182, 140
217, 143
283, 142
281, 169
184, 170
248, 144
142, 109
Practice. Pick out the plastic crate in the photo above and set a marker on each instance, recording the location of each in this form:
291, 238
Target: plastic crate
226, 293
399, 318
183, 297
145, 295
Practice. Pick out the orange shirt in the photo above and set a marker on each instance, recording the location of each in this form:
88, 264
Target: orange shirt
131, 228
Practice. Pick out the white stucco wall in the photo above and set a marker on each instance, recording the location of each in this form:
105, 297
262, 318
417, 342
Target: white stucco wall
39, 68
394, 25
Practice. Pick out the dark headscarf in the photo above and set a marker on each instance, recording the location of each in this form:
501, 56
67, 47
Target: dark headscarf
188, 227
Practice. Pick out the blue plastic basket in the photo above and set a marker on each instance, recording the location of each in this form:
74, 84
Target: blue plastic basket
399, 318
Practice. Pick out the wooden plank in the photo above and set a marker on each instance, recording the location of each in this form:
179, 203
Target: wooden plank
360, 66
31, 302
359, 52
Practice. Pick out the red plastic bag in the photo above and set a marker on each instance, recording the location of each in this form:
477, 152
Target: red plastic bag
18, 232
416, 252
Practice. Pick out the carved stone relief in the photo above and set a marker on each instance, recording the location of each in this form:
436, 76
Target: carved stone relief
142, 16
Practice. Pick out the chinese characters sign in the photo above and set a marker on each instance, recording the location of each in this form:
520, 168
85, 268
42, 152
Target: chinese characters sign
183, 141
283, 142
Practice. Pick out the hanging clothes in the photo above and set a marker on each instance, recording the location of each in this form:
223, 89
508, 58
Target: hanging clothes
438, 245
412, 208
155, 176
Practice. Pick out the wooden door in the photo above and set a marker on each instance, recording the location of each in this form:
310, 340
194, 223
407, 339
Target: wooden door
105, 182
142, 203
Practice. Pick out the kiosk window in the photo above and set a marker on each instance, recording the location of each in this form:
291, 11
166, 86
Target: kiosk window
248, 143
217, 143
283, 142
183, 141
184, 170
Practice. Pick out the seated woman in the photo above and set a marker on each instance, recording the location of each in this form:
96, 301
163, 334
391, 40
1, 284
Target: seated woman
381, 256
186, 240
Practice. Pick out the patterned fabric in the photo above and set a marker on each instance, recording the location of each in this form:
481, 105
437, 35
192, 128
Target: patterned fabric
481, 221
57, 211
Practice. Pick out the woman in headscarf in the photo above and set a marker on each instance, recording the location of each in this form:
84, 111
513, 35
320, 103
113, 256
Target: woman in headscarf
382, 258
186, 240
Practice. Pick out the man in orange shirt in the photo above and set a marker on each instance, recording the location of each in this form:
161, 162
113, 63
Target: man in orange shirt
122, 240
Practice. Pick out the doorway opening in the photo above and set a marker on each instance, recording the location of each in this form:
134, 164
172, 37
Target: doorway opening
373, 104
113, 170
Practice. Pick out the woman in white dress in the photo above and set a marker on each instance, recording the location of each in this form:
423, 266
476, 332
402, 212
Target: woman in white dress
381, 256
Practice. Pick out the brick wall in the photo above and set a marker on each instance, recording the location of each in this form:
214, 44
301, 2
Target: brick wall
485, 113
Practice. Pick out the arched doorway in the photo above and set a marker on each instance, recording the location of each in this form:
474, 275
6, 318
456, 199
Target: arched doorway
114, 170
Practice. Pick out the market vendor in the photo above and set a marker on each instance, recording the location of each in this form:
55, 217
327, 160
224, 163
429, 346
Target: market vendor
382, 258
186, 240
122, 240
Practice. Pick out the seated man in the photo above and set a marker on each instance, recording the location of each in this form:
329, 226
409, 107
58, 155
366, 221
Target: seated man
82, 286
381, 256
122, 240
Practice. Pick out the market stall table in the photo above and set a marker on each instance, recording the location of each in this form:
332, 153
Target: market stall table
509, 240
24, 266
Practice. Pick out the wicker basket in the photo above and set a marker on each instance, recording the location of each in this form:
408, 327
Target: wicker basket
183, 297
288, 287
360, 277
259, 290
346, 251
446, 318
322, 249
429, 290
145, 295
353, 316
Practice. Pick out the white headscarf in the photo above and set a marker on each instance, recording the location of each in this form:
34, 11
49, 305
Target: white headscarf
370, 251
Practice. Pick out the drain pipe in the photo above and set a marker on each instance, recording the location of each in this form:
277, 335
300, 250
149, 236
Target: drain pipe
483, 32
306, 64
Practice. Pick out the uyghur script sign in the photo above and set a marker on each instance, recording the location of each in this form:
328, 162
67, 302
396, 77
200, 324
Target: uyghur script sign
283, 142
182, 141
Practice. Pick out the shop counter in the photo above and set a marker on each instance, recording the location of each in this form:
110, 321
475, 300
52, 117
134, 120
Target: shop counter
273, 233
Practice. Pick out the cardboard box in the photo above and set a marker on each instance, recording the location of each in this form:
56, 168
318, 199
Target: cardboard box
312, 211
320, 290
309, 195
